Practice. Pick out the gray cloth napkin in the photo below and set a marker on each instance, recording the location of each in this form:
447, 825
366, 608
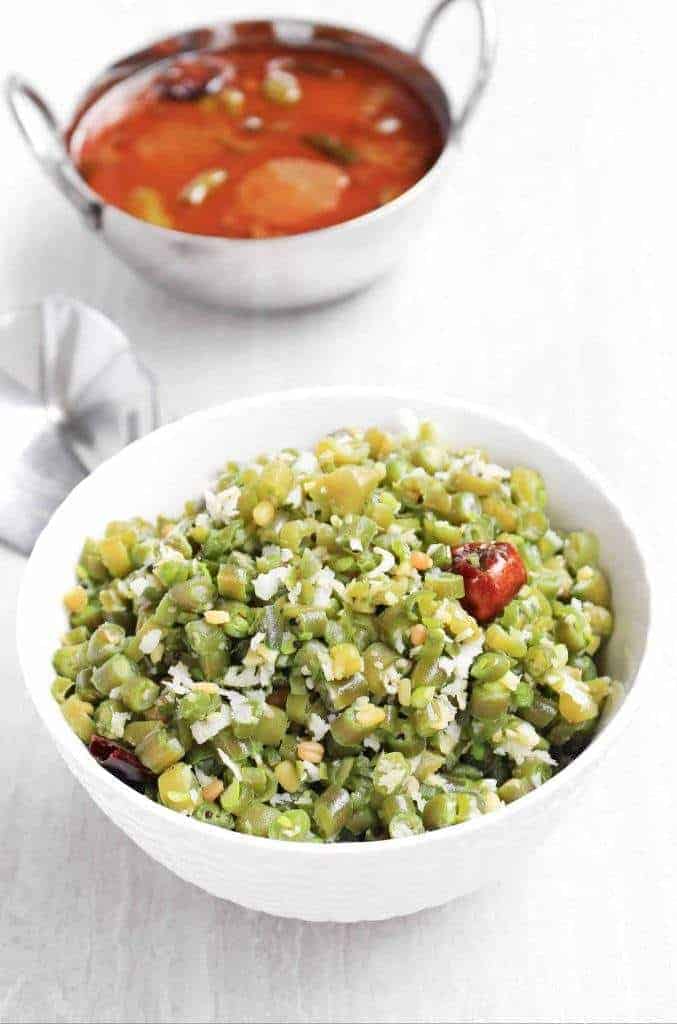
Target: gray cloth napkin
72, 393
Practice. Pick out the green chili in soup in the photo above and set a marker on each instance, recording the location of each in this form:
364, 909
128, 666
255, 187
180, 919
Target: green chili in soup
257, 142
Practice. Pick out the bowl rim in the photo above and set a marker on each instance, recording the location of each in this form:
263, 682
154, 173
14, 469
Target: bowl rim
403, 398
450, 138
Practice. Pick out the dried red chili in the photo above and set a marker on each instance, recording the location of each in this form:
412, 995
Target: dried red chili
492, 572
119, 761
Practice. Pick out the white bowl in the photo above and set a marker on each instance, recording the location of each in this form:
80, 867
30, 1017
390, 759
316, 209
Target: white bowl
345, 882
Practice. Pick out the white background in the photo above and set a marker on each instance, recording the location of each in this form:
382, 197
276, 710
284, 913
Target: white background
545, 287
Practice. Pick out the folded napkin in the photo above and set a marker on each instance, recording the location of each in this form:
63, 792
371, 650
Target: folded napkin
72, 393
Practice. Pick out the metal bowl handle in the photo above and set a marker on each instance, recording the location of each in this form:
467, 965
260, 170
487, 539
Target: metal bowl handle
40, 131
485, 59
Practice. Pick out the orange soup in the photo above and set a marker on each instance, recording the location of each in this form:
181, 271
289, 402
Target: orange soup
258, 142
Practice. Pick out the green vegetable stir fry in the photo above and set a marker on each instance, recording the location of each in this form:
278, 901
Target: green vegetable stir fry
378, 638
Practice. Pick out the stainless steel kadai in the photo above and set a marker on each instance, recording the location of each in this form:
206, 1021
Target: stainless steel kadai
262, 273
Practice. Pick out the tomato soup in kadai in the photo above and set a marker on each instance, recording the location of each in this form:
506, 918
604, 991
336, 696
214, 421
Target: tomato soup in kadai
257, 142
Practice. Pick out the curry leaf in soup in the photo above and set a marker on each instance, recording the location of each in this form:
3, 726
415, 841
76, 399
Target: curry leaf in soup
331, 146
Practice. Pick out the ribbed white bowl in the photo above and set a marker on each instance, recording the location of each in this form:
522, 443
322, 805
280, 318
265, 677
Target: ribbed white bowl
345, 882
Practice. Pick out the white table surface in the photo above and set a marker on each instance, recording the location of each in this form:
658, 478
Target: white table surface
545, 287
